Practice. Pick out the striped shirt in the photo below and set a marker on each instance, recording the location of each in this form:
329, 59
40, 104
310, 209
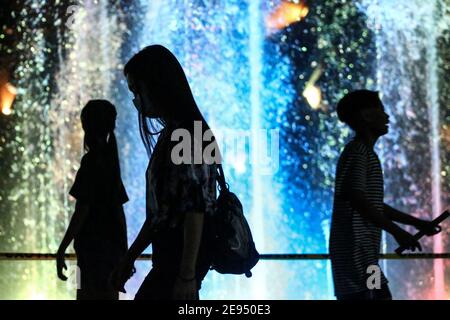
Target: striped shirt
355, 241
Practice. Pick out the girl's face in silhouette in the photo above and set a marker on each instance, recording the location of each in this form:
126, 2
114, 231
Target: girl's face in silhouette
376, 120
143, 100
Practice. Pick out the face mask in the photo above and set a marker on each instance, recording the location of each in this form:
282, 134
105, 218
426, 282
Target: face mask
144, 107
138, 103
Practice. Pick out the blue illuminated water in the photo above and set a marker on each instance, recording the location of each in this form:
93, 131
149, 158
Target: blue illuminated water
244, 78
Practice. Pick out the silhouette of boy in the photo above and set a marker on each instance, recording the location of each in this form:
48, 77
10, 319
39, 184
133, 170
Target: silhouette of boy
359, 211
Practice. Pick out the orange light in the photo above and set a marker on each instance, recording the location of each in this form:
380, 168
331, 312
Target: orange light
285, 14
7, 95
445, 134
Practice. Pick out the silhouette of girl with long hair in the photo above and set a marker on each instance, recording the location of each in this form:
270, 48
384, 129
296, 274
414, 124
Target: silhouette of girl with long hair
98, 225
180, 196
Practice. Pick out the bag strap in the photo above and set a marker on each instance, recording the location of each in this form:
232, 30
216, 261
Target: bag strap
221, 178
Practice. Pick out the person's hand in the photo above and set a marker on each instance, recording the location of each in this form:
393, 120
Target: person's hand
406, 240
121, 274
428, 227
60, 265
185, 289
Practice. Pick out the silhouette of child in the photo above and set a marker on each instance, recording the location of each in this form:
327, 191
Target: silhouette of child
359, 211
98, 225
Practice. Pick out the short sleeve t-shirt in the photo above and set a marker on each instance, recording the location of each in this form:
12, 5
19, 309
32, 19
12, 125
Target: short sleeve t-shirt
95, 185
173, 191
355, 241
176, 189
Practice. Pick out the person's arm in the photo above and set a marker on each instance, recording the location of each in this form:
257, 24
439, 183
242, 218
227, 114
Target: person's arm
355, 192
193, 194
142, 241
77, 220
82, 191
186, 283
398, 216
193, 227
360, 203
125, 268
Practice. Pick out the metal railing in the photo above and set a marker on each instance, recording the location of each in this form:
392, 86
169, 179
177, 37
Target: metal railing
21, 256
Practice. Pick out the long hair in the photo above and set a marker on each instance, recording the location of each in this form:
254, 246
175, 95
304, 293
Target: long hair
98, 119
161, 73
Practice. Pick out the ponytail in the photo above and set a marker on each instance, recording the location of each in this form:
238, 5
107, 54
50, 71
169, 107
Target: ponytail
114, 154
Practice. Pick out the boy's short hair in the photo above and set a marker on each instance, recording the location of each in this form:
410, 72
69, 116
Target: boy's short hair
349, 107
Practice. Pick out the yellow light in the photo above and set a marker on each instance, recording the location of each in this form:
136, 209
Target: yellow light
6, 111
312, 92
285, 14
313, 95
